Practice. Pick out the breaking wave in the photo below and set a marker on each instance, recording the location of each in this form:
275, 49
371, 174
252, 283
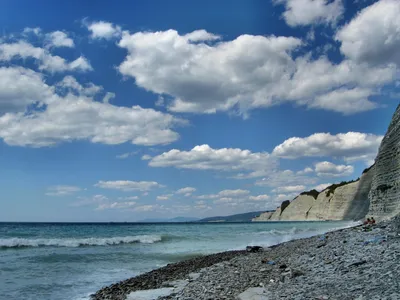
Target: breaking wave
78, 242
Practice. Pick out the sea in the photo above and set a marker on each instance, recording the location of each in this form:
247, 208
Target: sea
70, 261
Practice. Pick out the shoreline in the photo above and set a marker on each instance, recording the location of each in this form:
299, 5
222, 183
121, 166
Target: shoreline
313, 266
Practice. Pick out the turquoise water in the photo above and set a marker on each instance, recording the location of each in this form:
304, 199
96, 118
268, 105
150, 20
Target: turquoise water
71, 261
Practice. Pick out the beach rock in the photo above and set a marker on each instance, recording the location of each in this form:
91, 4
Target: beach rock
257, 293
254, 248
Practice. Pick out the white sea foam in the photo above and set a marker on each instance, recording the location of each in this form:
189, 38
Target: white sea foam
78, 242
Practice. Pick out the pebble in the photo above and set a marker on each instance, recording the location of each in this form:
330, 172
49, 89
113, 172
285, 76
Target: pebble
301, 271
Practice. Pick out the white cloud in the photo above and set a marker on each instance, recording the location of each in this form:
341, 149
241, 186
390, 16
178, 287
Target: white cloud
186, 190
225, 159
259, 198
47, 62
329, 169
85, 201
116, 205
225, 76
289, 189
306, 170
108, 96
59, 39
103, 30
227, 200
62, 190
129, 198
373, 35
35, 30
282, 197
69, 83
321, 187
308, 12
146, 157
126, 155
285, 178
350, 146
346, 101
73, 117
126, 185
233, 193
21, 87
146, 208
225, 194
164, 197
201, 36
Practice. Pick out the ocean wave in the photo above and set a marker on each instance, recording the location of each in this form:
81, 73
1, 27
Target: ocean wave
77, 242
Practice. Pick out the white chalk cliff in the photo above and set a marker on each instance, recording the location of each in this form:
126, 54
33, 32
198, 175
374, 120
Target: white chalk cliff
376, 193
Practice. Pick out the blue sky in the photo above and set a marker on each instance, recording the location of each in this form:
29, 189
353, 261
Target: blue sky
153, 109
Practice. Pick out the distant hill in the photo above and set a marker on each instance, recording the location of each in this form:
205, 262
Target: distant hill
173, 220
246, 217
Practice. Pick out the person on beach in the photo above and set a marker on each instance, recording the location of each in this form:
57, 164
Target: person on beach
368, 221
372, 221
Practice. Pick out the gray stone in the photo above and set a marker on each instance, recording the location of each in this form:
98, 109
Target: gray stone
257, 293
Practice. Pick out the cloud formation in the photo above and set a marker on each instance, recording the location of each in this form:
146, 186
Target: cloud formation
204, 157
309, 12
127, 185
62, 190
103, 30
350, 146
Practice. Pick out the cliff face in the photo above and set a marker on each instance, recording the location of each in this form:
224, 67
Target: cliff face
333, 205
345, 202
384, 195
376, 193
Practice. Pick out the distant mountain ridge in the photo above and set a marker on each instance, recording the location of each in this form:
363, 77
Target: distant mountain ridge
171, 220
245, 217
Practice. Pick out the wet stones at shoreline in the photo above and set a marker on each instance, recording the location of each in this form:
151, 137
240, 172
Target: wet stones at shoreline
346, 267
156, 278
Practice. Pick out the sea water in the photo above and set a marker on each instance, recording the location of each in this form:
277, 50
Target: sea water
64, 261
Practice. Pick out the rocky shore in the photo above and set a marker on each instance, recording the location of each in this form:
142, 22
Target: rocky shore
345, 264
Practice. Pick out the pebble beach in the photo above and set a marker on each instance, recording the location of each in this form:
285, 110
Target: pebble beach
350, 263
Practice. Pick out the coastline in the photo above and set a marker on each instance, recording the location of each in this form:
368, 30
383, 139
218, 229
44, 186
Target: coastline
342, 264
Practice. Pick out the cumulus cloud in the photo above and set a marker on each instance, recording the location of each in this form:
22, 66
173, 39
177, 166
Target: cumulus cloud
33, 30
259, 198
225, 159
186, 190
47, 62
346, 101
85, 201
308, 12
225, 76
225, 194
146, 157
116, 205
280, 178
289, 189
126, 155
103, 30
127, 186
147, 208
62, 190
164, 197
326, 168
349, 146
201, 36
70, 84
20, 87
279, 198
373, 35
73, 117
321, 187
59, 39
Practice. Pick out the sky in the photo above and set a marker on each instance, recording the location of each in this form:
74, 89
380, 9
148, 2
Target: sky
158, 109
